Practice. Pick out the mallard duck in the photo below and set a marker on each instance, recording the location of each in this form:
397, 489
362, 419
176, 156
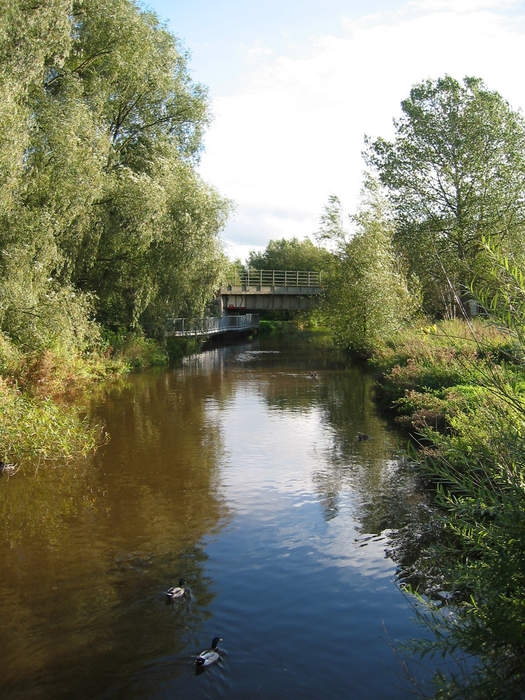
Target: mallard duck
177, 592
6, 468
209, 656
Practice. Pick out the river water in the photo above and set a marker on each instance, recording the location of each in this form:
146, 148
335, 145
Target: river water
242, 473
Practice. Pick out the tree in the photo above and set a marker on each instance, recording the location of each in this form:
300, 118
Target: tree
367, 297
31, 35
454, 173
290, 254
331, 227
101, 207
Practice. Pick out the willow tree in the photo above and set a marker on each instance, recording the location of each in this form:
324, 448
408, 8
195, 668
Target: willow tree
34, 310
105, 205
454, 173
368, 297
31, 34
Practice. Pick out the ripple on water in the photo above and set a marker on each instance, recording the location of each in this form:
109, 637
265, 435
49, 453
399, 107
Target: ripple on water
240, 474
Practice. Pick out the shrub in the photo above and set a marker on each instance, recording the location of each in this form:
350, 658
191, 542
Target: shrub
33, 430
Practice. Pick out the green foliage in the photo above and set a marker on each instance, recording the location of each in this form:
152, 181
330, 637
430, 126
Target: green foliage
177, 348
103, 211
31, 36
139, 352
454, 173
290, 254
482, 497
267, 327
501, 290
103, 217
472, 435
37, 430
331, 227
367, 295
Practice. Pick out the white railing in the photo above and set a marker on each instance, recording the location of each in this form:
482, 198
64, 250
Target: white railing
211, 325
274, 278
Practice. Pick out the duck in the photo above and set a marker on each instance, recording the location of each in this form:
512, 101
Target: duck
177, 592
6, 468
209, 656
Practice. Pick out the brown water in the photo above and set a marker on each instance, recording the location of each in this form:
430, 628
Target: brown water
243, 474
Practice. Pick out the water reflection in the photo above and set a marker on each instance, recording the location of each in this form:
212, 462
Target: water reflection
87, 549
241, 472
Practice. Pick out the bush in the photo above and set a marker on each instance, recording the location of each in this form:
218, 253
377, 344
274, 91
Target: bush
469, 413
140, 352
33, 430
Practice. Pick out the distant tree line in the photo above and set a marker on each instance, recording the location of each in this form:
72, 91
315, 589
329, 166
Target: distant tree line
290, 254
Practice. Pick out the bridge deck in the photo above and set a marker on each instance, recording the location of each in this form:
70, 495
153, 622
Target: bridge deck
211, 325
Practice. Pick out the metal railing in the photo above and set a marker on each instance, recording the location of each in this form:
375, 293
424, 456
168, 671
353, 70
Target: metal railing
211, 325
274, 278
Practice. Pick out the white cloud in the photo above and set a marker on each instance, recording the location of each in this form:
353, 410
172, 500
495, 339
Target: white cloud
295, 135
462, 5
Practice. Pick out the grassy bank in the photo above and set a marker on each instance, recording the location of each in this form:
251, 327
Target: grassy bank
39, 423
34, 430
41, 397
459, 390
42, 393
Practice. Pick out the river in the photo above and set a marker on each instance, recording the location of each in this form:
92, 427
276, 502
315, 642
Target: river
240, 471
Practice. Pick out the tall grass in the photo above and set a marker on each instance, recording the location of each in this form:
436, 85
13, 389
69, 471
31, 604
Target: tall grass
35, 430
460, 389
36, 424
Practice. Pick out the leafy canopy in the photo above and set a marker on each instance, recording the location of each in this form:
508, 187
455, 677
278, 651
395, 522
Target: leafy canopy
290, 254
102, 212
454, 173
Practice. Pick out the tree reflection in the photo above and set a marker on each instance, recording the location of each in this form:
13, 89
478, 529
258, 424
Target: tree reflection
386, 491
87, 550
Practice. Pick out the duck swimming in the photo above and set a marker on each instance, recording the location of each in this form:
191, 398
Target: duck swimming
209, 656
177, 592
6, 468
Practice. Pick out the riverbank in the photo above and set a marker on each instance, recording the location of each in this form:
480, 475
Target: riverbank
238, 459
458, 389
43, 395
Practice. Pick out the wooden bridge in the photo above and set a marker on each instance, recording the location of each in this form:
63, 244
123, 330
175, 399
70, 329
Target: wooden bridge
271, 290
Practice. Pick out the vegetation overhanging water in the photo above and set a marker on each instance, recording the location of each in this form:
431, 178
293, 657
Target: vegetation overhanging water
242, 472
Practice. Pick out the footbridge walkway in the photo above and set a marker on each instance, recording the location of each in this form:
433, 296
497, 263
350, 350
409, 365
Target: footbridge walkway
211, 325
245, 293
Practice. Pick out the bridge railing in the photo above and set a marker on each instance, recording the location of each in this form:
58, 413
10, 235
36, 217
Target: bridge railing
274, 278
210, 325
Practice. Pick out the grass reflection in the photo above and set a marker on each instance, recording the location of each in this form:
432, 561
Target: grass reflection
87, 550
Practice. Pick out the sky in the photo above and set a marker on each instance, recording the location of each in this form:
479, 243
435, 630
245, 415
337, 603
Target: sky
295, 85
